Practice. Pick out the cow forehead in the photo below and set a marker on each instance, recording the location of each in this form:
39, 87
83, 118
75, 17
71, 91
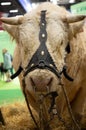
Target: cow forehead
52, 12
30, 27
54, 25
56, 31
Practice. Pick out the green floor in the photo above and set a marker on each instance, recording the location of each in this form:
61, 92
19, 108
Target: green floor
10, 92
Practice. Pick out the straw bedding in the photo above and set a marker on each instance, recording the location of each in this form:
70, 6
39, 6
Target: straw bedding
17, 117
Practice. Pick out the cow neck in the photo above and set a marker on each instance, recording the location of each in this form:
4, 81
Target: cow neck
42, 58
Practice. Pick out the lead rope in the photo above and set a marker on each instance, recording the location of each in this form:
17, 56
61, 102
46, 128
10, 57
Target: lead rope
23, 83
69, 107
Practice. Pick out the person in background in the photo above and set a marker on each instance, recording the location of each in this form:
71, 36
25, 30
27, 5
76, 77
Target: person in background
7, 64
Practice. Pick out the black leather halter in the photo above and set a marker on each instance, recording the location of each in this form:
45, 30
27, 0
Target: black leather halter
42, 58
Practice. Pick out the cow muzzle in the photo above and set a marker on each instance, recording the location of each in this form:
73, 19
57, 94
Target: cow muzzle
41, 81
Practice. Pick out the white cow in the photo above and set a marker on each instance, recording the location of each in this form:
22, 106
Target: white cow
62, 29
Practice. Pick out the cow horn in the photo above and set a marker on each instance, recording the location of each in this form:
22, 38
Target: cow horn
75, 18
12, 20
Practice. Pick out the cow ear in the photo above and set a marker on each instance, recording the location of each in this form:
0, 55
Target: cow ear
13, 20
76, 23
74, 18
11, 29
11, 25
75, 28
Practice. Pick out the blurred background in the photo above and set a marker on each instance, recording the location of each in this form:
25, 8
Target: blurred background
19, 7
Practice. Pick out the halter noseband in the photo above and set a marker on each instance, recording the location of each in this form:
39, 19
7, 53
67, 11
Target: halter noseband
42, 58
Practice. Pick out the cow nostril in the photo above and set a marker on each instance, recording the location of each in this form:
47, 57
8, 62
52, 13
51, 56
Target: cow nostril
50, 82
32, 82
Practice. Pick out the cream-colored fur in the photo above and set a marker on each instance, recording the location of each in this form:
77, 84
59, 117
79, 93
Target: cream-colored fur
60, 31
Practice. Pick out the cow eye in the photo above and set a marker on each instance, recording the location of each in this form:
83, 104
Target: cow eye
67, 48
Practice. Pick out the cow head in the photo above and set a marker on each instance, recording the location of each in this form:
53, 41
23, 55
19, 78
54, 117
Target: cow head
60, 28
